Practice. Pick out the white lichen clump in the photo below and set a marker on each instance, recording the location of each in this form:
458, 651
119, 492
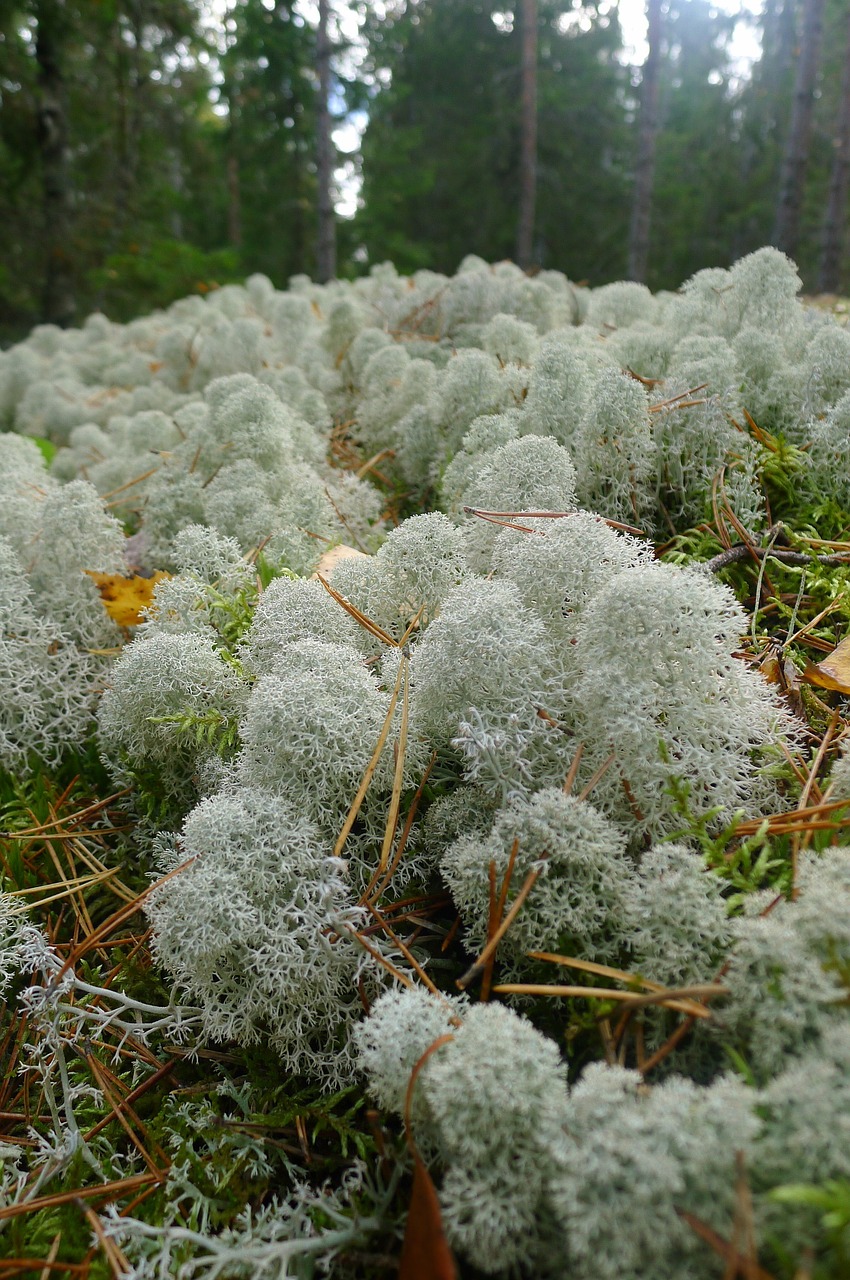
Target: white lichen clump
256, 931
580, 710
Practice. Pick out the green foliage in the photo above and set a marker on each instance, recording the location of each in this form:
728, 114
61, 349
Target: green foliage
749, 865
207, 730
146, 276
47, 447
455, 74
231, 613
270, 96
141, 145
831, 1199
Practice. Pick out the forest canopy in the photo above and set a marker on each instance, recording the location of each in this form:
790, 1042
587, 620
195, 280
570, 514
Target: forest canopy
151, 148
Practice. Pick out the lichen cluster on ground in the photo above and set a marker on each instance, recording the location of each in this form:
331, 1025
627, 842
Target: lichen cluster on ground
491, 877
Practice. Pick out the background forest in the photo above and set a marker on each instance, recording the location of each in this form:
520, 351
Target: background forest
154, 148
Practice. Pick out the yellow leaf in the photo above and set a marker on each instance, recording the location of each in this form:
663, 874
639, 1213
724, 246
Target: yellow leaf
124, 599
833, 672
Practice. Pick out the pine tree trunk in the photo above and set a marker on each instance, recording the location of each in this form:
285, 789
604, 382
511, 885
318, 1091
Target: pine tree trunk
326, 246
234, 200
786, 231
58, 302
639, 226
836, 208
234, 184
528, 137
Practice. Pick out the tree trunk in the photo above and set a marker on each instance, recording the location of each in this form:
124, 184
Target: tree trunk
58, 302
528, 138
836, 208
178, 185
234, 201
326, 244
647, 138
786, 231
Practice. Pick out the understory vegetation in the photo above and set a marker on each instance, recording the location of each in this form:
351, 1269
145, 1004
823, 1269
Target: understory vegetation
424, 792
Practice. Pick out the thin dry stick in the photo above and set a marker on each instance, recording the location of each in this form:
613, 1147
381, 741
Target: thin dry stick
719, 522
119, 1085
497, 914
500, 517
569, 781
668, 1046
408, 1095
376, 955
682, 1030
363, 471
411, 626
777, 822
69, 821
509, 871
76, 882
365, 622
118, 1107
137, 1200
685, 998
129, 485
669, 999
637, 813
723, 1247
492, 926
818, 760
597, 776
451, 935
810, 626
114, 1256
744, 1223
119, 917
166, 1069
646, 382
371, 766
352, 533
405, 951
804, 798
601, 970
398, 778
77, 901
51, 1257
825, 542
683, 404
118, 887
799, 772
516, 906
105, 1191
683, 395
92, 834
402, 844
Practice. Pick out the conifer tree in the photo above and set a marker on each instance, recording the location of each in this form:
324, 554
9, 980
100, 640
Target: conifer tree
528, 138
786, 229
835, 219
647, 140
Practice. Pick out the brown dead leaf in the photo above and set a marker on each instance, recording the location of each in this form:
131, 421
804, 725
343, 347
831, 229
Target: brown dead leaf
834, 672
329, 561
425, 1254
124, 599
782, 672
